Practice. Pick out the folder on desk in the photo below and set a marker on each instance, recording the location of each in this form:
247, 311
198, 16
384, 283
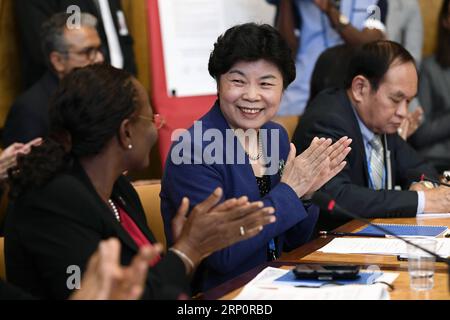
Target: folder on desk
406, 230
364, 278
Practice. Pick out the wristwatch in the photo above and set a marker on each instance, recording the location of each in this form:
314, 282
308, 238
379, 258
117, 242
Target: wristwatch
343, 21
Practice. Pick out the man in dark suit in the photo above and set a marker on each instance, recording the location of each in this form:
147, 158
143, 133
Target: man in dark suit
111, 27
64, 49
380, 83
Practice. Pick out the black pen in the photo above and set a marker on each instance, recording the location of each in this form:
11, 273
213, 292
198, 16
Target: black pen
351, 234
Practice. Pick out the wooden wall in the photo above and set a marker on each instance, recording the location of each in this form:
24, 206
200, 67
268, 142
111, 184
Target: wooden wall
430, 11
9, 59
136, 14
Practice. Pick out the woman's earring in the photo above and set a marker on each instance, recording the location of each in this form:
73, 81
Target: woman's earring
130, 146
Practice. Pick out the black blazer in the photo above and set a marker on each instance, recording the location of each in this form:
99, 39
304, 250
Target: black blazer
331, 115
61, 224
28, 117
32, 13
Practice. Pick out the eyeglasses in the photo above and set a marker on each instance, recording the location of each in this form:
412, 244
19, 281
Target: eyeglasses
89, 53
157, 119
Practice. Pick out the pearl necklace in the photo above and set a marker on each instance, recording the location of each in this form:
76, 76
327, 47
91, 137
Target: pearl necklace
114, 209
260, 149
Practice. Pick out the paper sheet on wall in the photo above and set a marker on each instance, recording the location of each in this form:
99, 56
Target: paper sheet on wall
189, 29
384, 246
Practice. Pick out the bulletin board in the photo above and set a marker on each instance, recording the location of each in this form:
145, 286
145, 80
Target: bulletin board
181, 36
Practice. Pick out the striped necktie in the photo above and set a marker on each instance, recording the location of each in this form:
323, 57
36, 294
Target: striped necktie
376, 162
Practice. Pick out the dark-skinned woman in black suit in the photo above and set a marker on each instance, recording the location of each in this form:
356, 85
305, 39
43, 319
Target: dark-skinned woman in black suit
70, 193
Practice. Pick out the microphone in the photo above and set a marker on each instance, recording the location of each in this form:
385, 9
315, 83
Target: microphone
326, 203
415, 175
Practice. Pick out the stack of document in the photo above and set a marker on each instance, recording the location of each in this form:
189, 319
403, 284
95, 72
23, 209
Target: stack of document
264, 287
382, 246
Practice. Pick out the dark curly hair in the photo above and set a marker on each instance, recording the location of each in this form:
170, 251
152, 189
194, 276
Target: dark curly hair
251, 42
85, 113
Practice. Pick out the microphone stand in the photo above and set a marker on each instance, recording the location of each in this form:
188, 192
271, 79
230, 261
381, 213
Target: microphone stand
325, 202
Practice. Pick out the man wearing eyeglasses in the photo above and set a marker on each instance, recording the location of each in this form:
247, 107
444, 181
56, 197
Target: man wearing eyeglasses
112, 29
64, 50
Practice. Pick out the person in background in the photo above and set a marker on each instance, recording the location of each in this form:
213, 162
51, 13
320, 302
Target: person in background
70, 193
432, 139
64, 49
327, 73
312, 26
8, 160
8, 157
381, 81
404, 25
252, 65
117, 43
104, 278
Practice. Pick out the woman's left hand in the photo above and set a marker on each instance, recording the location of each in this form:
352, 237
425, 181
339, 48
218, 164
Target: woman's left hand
106, 279
339, 150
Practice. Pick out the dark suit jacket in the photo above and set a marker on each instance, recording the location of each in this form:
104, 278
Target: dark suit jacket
331, 115
61, 224
32, 13
28, 117
9, 292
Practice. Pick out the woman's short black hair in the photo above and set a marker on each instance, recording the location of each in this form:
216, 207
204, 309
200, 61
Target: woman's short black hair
251, 42
373, 60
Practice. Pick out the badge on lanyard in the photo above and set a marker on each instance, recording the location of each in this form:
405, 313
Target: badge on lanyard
123, 29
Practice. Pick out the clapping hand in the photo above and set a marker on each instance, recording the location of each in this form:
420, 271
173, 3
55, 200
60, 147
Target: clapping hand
8, 158
314, 167
336, 163
106, 279
211, 226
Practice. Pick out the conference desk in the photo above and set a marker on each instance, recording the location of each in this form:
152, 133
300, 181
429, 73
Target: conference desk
308, 254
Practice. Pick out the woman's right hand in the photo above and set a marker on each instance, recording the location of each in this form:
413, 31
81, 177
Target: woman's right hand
309, 171
301, 172
211, 227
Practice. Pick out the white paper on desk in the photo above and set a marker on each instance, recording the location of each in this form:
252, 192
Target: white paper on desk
426, 216
350, 292
382, 246
262, 287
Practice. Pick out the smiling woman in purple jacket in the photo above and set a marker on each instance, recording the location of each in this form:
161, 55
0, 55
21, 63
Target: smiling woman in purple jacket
235, 146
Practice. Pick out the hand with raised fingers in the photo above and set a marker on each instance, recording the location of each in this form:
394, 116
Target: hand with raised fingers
211, 227
334, 164
300, 172
8, 158
106, 279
